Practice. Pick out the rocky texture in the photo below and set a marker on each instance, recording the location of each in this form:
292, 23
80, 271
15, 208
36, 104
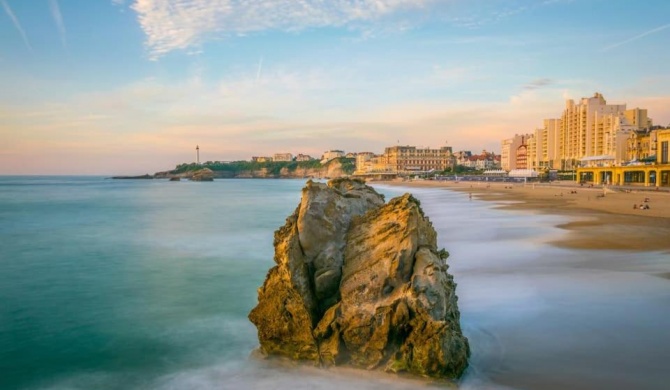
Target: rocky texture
333, 169
204, 174
360, 282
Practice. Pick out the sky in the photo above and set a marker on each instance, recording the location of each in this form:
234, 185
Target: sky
104, 87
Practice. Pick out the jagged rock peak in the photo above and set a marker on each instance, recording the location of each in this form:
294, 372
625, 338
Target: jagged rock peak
360, 282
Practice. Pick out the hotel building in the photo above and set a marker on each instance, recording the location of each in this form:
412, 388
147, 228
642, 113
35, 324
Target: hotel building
408, 159
594, 128
405, 160
588, 131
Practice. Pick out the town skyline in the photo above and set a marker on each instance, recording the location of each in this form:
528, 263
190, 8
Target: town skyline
125, 86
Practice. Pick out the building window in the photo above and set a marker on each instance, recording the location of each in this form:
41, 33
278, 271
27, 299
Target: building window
664, 152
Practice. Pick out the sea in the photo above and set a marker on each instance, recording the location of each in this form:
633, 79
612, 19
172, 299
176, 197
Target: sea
147, 284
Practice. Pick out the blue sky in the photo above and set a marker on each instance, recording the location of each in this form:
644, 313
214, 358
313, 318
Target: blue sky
131, 86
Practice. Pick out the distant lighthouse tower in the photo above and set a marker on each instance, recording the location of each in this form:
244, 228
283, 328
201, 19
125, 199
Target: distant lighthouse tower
197, 154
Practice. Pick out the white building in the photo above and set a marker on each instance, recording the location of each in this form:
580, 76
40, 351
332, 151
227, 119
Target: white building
331, 154
283, 157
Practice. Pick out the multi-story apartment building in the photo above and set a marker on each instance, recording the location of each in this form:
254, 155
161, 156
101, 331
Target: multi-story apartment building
594, 128
505, 153
368, 162
261, 159
283, 157
531, 153
522, 155
662, 140
544, 145
408, 159
641, 144
380, 163
508, 151
363, 162
589, 130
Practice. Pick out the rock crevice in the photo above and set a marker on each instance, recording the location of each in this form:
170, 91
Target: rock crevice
361, 282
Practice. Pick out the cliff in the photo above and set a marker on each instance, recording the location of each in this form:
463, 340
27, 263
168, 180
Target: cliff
271, 170
361, 282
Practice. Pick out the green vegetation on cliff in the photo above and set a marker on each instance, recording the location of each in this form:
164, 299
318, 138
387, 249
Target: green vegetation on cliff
272, 167
348, 164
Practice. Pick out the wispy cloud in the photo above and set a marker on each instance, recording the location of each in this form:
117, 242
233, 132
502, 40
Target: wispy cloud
58, 18
644, 34
538, 83
486, 16
17, 24
496, 12
180, 24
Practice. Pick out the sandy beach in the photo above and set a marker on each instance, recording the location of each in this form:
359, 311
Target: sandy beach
602, 219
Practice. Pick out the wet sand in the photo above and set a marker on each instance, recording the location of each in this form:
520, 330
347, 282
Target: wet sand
602, 219
587, 312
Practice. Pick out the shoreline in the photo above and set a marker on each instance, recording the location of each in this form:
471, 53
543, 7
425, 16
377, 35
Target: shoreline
600, 220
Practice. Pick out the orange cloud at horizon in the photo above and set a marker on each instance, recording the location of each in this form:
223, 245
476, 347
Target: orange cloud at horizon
101, 137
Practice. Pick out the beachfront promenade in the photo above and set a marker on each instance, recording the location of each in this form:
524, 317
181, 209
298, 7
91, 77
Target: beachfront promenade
653, 175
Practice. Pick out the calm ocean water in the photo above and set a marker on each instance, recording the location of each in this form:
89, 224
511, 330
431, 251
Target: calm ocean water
108, 284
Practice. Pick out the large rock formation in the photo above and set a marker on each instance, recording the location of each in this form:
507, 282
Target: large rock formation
362, 283
204, 174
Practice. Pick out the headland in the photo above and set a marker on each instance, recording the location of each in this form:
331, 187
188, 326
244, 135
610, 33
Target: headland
311, 169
